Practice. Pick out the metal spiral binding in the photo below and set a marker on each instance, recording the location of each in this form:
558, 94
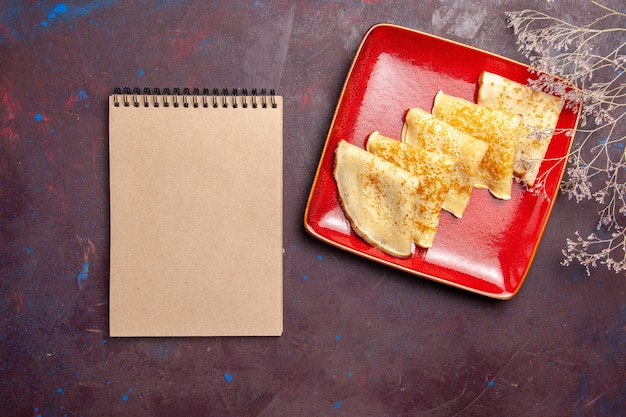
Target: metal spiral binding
207, 98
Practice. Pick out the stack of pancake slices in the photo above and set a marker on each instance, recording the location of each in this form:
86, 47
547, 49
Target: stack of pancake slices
393, 191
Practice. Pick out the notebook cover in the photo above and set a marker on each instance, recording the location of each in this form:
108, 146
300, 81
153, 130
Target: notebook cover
196, 220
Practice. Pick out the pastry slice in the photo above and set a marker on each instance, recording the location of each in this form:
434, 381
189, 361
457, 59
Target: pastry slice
427, 132
434, 172
499, 129
540, 112
378, 198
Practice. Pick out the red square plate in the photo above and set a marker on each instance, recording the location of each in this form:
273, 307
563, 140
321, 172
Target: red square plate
489, 250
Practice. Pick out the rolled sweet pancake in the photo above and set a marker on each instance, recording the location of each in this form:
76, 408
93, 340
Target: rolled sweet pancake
540, 112
378, 198
434, 172
499, 129
427, 132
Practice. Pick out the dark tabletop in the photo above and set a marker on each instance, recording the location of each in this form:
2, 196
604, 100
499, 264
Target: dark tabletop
360, 339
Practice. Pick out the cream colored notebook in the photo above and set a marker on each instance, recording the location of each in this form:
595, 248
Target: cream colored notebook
196, 214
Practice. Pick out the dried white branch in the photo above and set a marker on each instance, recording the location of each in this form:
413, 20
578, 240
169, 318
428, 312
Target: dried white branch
591, 63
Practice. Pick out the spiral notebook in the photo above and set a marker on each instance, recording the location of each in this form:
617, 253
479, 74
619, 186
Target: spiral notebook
196, 213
